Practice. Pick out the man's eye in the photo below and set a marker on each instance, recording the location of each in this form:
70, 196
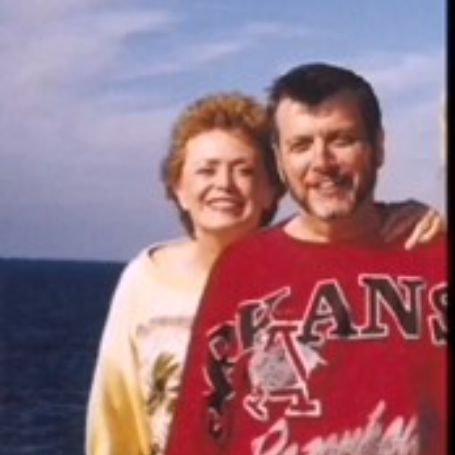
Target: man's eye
344, 140
300, 147
205, 171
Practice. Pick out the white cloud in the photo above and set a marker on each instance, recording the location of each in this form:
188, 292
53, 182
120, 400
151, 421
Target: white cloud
52, 73
114, 133
193, 56
36, 12
397, 73
190, 58
277, 30
66, 50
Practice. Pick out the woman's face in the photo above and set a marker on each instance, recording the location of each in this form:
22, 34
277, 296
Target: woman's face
223, 184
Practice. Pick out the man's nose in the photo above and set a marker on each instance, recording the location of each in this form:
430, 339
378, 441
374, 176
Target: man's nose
322, 155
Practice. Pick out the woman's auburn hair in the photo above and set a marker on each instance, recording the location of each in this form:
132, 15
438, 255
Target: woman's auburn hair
232, 112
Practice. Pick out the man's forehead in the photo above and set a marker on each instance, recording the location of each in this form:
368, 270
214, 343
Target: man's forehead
342, 106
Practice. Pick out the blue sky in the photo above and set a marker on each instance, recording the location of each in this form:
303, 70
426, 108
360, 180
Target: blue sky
89, 90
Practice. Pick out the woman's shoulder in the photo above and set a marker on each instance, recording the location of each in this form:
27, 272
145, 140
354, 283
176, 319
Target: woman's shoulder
166, 253
145, 277
146, 265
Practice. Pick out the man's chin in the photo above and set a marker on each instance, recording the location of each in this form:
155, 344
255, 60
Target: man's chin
331, 213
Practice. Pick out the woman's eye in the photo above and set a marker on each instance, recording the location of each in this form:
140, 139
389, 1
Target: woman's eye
246, 171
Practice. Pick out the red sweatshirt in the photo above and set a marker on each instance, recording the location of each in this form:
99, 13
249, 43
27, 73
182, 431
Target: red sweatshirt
309, 349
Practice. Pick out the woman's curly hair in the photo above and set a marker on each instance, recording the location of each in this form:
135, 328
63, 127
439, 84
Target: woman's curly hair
230, 112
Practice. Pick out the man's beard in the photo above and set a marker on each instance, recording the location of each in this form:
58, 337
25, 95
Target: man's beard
341, 209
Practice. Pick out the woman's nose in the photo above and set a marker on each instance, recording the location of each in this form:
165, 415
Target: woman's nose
224, 178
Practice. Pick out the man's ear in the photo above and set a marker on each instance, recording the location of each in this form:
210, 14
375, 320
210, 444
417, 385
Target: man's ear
379, 148
269, 197
278, 161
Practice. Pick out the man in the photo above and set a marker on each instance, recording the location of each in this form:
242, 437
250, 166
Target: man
316, 337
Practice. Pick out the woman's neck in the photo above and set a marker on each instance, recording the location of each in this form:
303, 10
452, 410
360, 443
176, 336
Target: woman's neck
206, 249
190, 261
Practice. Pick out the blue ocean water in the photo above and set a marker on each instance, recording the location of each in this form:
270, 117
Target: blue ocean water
51, 317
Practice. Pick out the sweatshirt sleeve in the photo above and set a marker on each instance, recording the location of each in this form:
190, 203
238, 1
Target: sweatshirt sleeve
116, 420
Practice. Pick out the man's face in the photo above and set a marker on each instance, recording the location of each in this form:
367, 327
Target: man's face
325, 156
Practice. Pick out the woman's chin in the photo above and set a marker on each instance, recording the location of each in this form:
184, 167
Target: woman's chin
231, 227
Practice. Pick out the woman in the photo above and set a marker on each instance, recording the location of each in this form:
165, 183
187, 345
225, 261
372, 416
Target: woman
220, 172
